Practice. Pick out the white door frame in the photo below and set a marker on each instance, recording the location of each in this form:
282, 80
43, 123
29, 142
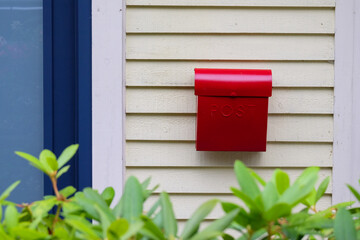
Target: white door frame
346, 168
108, 58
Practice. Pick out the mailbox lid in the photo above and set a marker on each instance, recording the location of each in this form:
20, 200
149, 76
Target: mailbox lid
233, 82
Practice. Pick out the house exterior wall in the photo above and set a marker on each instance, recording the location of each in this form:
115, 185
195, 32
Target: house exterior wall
166, 40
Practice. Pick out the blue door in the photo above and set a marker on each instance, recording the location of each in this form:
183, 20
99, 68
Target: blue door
45, 90
21, 95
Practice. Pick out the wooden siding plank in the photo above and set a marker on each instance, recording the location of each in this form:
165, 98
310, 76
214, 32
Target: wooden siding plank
182, 100
230, 47
182, 154
230, 20
180, 73
206, 180
232, 3
185, 205
296, 128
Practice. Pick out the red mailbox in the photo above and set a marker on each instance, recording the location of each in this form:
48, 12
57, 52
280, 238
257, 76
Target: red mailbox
232, 109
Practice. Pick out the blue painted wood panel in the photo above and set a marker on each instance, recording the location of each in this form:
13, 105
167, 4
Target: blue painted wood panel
21, 95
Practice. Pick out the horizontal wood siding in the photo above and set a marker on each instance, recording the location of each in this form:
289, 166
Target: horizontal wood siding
230, 20
232, 47
186, 204
183, 100
181, 73
218, 180
283, 128
167, 39
233, 3
142, 153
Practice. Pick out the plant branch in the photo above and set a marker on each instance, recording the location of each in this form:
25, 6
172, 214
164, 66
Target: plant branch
56, 218
56, 190
269, 230
313, 208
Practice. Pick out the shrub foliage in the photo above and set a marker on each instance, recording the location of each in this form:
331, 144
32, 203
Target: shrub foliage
274, 209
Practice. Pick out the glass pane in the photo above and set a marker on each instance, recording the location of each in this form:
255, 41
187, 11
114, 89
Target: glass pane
21, 95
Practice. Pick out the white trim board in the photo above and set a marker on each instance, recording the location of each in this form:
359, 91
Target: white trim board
107, 93
346, 160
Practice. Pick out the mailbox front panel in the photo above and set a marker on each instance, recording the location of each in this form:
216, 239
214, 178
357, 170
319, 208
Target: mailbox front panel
231, 124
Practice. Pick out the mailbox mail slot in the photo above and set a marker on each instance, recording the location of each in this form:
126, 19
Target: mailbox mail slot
232, 109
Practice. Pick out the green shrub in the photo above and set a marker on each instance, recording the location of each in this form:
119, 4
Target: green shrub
275, 209
269, 208
89, 214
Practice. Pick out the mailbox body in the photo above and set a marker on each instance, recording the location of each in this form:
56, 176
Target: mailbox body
232, 109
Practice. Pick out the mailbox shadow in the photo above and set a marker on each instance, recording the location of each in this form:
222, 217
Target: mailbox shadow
220, 158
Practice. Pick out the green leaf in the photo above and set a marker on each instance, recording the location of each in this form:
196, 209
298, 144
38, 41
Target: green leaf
132, 200
170, 224
67, 191
158, 220
32, 160
71, 208
117, 229
322, 188
40, 209
67, 154
87, 204
4, 236
259, 234
217, 227
28, 234
147, 192
301, 188
269, 195
151, 230
52, 163
134, 229
82, 225
277, 211
311, 199
317, 221
208, 235
246, 180
226, 236
8, 190
197, 217
108, 195
11, 216
257, 177
329, 211
62, 171
61, 233
95, 196
246, 199
241, 219
354, 192
44, 156
106, 218
282, 181
145, 184
344, 227
118, 208
104, 211
153, 208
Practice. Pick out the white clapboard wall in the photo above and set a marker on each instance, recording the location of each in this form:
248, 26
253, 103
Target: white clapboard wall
167, 39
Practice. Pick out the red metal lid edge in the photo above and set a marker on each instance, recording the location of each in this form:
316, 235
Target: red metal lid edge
233, 82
